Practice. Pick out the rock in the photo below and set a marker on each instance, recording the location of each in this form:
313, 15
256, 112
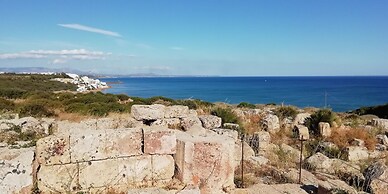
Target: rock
163, 167
270, 123
301, 118
190, 190
259, 141
54, 149
248, 152
206, 162
307, 178
190, 122
89, 145
176, 111
232, 126
301, 132
356, 153
210, 121
148, 112
376, 176
173, 123
149, 191
319, 162
358, 142
324, 146
258, 160
227, 132
381, 123
16, 170
324, 129
159, 141
271, 189
346, 170
380, 148
197, 131
292, 153
382, 139
335, 186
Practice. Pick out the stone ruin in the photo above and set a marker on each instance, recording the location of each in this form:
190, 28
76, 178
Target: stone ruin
88, 158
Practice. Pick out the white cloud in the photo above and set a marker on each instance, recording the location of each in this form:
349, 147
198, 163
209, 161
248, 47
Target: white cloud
90, 29
59, 61
78, 54
176, 48
21, 56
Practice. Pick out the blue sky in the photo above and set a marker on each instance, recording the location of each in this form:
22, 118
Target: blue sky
212, 37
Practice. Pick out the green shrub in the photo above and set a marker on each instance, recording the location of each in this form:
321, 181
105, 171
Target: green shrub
286, 112
6, 105
323, 115
226, 114
195, 103
12, 93
122, 97
246, 105
35, 109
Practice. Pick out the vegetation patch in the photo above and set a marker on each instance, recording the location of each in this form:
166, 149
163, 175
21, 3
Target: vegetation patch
246, 105
286, 112
323, 115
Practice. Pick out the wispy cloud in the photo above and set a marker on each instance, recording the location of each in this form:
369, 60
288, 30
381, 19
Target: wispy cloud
177, 48
78, 54
90, 29
58, 61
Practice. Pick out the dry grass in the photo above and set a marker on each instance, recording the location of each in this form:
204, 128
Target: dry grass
251, 123
343, 138
74, 117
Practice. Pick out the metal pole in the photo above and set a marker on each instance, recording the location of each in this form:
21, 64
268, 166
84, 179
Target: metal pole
242, 160
300, 160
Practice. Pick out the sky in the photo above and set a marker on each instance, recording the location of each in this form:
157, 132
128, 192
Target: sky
197, 37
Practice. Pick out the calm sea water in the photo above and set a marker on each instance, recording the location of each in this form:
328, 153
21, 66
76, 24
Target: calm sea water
339, 93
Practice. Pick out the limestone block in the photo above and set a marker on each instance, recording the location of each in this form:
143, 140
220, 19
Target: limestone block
163, 167
159, 140
319, 162
16, 172
89, 145
356, 153
189, 122
173, 123
177, 111
271, 123
324, 129
301, 132
210, 121
227, 132
54, 149
58, 178
333, 186
148, 112
137, 170
301, 118
207, 162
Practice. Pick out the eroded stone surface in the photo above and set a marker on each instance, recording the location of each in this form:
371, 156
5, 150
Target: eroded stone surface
53, 150
210, 121
159, 140
177, 111
148, 112
324, 129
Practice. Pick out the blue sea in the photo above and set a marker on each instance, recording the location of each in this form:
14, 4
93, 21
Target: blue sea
338, 93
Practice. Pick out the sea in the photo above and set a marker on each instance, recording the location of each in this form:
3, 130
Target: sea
340, 93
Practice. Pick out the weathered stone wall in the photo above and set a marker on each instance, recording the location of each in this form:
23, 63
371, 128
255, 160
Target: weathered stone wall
90, 158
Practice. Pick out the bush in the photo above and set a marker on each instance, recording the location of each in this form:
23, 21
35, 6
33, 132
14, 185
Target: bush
12, 93
226, 115
286, 112
194, 103
35, 110
6, 105
323, 115
246, 105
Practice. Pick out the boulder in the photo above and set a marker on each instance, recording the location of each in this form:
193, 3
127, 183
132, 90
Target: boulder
376, 176
270, 123
301, 118
148, 112
271, 189
357, 142
205, 161
176, 111
259, 141
227, 132
382, 139
190, 122
210, 121
356, 153
381, 123
319, 162
335, 186
324, 129
159, 141
258, 160
301, 132
292, 153
16, 168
